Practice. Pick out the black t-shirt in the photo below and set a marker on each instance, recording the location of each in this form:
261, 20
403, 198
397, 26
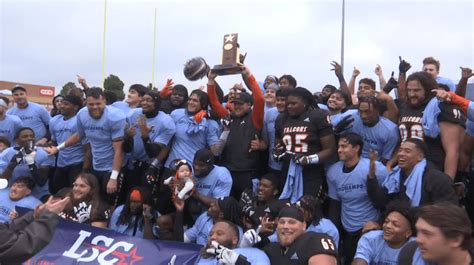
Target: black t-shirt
302, 134
307, 245
84, 212
410, 126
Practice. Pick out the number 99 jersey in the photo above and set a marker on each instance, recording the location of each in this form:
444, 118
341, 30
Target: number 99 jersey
302, 134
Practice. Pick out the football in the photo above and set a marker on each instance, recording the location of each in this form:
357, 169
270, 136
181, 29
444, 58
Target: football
195, 69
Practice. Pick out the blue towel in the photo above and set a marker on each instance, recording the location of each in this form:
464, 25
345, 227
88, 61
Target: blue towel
430, 118
413, 183
293, 189
194, 127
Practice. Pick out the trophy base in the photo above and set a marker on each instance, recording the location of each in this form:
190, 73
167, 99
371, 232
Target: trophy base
227, 69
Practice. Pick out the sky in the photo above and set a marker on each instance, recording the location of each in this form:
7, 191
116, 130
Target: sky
49, 42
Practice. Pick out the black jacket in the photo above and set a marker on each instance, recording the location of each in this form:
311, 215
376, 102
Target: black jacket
26, 236
437, 187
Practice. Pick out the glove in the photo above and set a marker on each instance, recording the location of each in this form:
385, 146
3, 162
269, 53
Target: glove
16, 159
301, 159
246, 197
83, 212
30, 158
249, 238
226, 121
153, 170
391, 84
404, 66
222, 253
279, 153
343, 125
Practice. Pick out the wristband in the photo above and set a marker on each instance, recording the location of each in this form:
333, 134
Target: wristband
224, 135
61, 146
313, 159
114, 175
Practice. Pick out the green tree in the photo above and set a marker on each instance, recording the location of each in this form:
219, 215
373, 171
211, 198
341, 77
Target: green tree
151, 87
67, 87
114, 84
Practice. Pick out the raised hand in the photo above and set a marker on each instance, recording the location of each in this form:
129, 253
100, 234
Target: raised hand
344, 124
337, 69
404, 66
144, 129
147, 211
373, 155
355, 72
223, 254
83, 212
466, 72
249, 238
130, 130
169, 84
391, 84
378, 70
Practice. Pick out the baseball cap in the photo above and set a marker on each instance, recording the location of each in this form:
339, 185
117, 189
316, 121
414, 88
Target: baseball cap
18, 87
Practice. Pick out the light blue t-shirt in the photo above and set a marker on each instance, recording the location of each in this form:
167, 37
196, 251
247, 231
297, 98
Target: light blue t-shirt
42, 159
253, 255
189, 137
125, 228
216, 184
61, 130
470, 111
100, 134
325, 226
351, 190
9, 126
162, 130
199, 232
375, 251
383, 137
446, 81
269, 135
7, 205
34, 116
123, 106
323, 106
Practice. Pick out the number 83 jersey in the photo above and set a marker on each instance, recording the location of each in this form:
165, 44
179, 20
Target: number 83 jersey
302, 134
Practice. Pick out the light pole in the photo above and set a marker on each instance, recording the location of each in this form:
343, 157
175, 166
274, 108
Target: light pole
342, 34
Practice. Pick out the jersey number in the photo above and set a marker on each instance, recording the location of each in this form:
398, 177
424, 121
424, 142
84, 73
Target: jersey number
327, 244
416, 131
457, 114
300, 146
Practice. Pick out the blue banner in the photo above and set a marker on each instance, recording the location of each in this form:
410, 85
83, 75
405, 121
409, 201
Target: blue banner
75, 243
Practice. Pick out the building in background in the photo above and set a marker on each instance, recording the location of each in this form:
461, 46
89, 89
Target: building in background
36, 93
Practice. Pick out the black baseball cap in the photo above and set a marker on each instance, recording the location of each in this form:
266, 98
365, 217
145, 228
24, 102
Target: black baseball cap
18, 87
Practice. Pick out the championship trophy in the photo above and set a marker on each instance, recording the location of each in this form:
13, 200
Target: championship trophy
231, 57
